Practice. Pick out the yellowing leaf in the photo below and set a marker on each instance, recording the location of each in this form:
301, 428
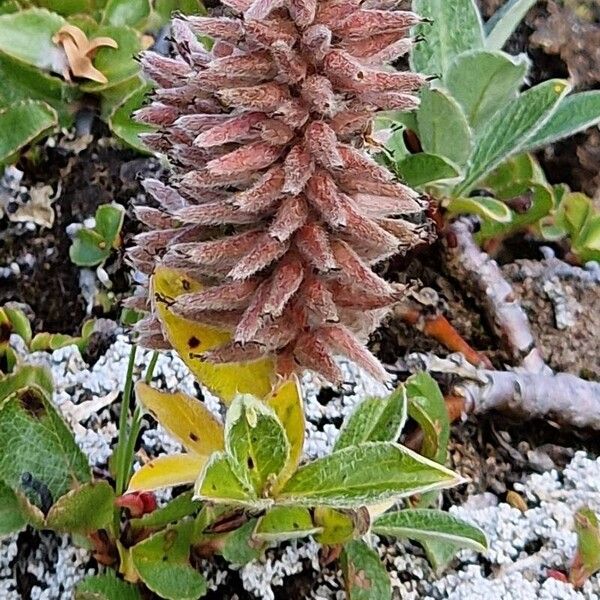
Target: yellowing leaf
184, 417
167, 471
286, 401
190, 339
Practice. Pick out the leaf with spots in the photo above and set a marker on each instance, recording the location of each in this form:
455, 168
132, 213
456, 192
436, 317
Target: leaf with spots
167, 471
256, 443
283, 523
374, 420
218, 483
365, 577
190, 339
286, 401
39, 455
186, 418
163, 563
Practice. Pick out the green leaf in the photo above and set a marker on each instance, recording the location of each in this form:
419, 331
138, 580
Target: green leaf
218, 483
26, 376
23, 123
67, 8
27, 36
456, 27
427, 407
347, 478
283, 523
374, 420
118, 65
93, 246
576, 208
420, 169
504, 22
588, 245
426, 525
52, 341
165, 8
485, 207
21, 81
364, 574
522, 167
256, 442
20, 323
9, 6
131, 13
162, 562
11, 517
36, 443
483, 82
340, 526
587, 559
181, 506
109, 220
106, 587
83, 510
89, 248
509, 129
240, 547
575, 113
124, 126
443, 127
538, 197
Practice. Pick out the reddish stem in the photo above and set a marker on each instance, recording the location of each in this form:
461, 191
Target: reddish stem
441, 330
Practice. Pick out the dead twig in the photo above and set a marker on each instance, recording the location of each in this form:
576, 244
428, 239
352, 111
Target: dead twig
483, 278
562, 397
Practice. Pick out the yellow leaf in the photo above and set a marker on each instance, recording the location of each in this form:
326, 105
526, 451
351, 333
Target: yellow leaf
190, 338
184, 417
167, 471
286, 401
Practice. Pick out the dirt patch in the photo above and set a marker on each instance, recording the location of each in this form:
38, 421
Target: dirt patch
43, 276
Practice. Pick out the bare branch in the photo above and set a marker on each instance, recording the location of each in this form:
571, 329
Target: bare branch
483, 278
562, 397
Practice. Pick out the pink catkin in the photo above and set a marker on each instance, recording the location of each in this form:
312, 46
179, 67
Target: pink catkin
273, 203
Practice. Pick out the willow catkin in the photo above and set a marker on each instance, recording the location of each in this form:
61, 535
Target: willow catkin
273, 202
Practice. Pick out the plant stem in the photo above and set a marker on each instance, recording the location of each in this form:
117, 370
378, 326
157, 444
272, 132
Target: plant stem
136, 424
482, 276
123, 424
151, 366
